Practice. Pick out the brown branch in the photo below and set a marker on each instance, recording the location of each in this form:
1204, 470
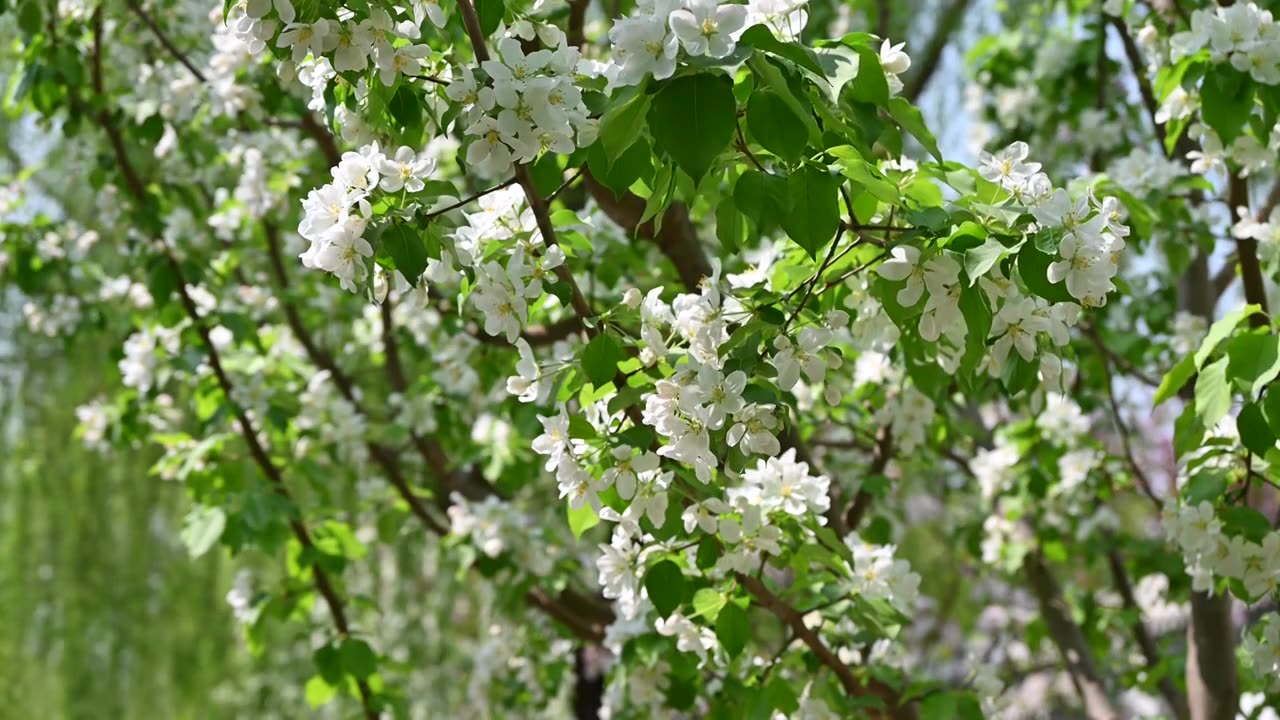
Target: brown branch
324, 586
164, 40
321, 358
1071, 642
1213, 687
862, 500
1122, 428
537, 335
577, 22
468, 200
871, 687
677, 238
948, 23
1177, 701
322, 582
1255, 288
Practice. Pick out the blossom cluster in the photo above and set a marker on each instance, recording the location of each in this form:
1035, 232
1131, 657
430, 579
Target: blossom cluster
1211, 553
1243, 34
336, 216
503, 246
528, 103
1262, 645
352, 42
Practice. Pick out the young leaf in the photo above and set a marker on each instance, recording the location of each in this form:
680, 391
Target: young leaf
1213, 395
707, 603
582, 519
733, 629
665, 583
692, 120
622, 124
911, 120
202, 528
761, 38
978, 260
1220, 330
1173, 380
1254, 361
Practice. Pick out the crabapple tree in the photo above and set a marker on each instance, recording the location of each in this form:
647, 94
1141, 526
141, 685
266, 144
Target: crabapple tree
656, 358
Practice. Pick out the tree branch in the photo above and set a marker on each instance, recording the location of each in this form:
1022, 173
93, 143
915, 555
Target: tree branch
1255, 289
1177, 701
897, 709
1213, 688
677, 239
1071, 642
164, 40
948, 23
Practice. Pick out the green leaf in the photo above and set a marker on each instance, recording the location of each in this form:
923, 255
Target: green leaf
731, 226
1271, 408
407, 249
1226, 97
938, 706
665, 583
781, 695
763, 197
911, 120
1245, 521
161, 281
358, 659
733, 629
692, 120
1205, 486
768, 75
582, 519
490, 12
1254, 361
1173, 380
1254, 431
406, 108
707, 603
708, 553
761, 38
1213, 395
1220, 330
318, 692
977, 319
1033, 266
1188, 431
201, 529
328, 662
815, 208
624, 123
979, 260
773, 124
600, 359
870, 85
620, 173
855, 167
